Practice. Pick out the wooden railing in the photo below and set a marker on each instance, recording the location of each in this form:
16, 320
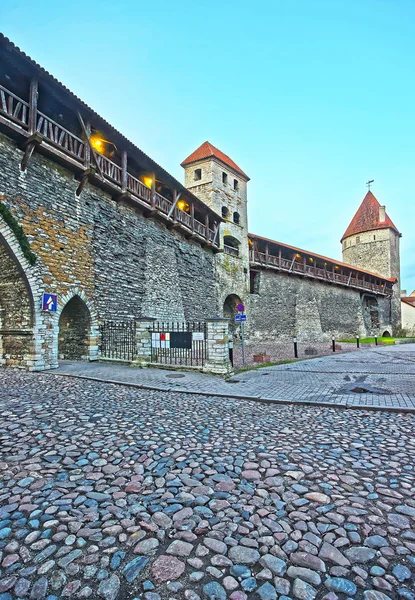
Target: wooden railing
29, 120
13, 107
184, 217
230, 250
136, 187
60, 137
200, 228
109, 168
297, 267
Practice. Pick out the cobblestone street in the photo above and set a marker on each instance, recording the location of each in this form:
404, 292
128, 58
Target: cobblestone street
379, 377
110, 492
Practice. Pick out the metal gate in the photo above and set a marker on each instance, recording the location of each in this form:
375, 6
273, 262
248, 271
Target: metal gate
181, 343
118, 340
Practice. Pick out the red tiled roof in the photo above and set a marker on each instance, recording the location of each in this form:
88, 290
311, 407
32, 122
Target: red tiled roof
325, 258
367, 218
206, 150
409, 300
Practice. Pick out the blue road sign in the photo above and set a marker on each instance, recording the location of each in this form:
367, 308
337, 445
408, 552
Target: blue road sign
239, 318
50, 302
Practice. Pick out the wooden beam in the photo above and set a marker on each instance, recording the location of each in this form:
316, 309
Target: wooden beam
216, 233
192, 214
176, 198
124, 161
33, 96
266, 253
207, 227
88, 139
153, 191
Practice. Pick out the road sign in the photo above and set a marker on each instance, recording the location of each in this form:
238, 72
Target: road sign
240, 307
240, 318
50, 302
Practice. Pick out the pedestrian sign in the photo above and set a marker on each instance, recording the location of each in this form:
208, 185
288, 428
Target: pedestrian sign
50, 302
240, 318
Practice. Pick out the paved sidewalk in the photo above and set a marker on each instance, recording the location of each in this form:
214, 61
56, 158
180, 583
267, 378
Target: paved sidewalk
383, 378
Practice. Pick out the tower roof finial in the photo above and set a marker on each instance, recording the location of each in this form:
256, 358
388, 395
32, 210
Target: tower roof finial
368, 183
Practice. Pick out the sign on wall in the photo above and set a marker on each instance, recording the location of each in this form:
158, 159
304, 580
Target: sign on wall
50, 302
172, 339
198, 336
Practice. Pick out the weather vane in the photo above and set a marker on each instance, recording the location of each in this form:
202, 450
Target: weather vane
368, 183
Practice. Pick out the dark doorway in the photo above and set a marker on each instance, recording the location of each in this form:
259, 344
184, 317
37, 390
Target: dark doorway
229, 311
74, 330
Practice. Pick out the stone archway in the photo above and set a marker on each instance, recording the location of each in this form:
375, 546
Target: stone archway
77, 328
17, 306
74, 330
229, 312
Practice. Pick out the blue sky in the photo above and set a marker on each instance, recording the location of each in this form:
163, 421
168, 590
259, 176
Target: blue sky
310, 97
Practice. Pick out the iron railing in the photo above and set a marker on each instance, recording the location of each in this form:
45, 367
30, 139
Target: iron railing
179, 343
118, 340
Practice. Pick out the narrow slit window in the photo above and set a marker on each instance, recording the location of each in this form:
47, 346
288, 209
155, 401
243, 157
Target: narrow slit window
235, 184
224, 177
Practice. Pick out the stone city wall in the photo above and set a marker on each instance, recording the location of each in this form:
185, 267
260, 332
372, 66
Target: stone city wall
286, 306
125, 265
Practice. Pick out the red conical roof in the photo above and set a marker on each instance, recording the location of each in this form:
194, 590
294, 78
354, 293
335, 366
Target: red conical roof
206, 150
367, 218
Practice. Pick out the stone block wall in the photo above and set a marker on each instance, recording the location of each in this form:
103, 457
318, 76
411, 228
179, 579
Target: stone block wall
109, 254
287, 306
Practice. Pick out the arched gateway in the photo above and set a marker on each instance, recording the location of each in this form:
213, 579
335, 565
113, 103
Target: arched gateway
17, 315
230, 310
77, 328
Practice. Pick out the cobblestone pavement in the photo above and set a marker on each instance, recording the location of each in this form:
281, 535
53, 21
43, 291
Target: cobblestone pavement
109, 492
278, 351
383, 376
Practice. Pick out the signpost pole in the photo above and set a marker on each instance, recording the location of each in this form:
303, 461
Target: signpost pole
243, 342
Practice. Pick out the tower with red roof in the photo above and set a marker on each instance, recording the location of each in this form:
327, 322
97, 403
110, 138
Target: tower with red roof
218, 181
371, 242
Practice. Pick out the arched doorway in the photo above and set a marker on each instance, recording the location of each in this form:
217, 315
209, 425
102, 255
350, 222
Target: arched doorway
74, 330
17, 345
229, 312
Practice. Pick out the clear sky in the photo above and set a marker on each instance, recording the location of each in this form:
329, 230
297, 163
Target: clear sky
311, 98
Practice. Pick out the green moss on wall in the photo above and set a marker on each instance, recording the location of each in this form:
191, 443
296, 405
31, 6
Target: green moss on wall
18, 232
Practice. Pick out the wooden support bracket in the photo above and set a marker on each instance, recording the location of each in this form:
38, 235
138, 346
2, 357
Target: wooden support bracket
29, 146
84, 177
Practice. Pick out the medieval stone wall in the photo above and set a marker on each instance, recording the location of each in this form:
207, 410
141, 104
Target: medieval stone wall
125, 264
287, 306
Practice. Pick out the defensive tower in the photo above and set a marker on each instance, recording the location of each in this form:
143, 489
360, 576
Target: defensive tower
218, 181
371, 242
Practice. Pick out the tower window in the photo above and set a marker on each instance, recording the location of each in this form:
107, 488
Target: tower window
225, 212
235, 184
374, 237
198, 174
224, 177
236, 218
358, 239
